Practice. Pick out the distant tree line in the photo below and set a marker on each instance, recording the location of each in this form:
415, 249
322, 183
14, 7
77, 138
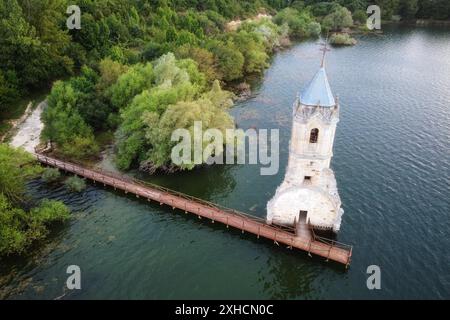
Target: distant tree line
37, 47
407, 9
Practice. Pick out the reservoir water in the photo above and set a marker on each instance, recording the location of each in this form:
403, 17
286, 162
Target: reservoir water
392, 165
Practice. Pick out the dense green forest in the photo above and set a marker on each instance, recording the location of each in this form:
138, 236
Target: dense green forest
36, 46
136, 68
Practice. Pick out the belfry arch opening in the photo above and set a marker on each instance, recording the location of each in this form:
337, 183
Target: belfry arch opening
314, 135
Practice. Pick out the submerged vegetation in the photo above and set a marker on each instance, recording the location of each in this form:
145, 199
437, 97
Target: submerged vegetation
75, 184
51, 175
341, 39
19, 227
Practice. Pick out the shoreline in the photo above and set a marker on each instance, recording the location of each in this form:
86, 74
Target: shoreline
419, 22
28, 132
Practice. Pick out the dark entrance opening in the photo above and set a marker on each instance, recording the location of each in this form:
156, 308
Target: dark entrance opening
302, 216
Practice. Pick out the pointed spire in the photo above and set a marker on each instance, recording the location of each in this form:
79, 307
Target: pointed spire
318, 91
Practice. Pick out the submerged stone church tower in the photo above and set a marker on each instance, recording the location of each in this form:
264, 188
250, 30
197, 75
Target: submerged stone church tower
309, 192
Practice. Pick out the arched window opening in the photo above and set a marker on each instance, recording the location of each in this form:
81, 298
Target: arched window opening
314, 136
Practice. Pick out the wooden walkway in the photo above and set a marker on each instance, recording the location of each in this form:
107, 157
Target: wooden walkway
300, 238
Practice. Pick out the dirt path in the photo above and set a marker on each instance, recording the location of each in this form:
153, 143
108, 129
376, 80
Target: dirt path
28, 133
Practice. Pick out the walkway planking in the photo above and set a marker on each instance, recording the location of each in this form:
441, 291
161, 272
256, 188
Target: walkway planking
299, 237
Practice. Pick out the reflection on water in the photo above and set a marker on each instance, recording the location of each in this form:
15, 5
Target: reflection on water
208, 182
391, 160
290, 279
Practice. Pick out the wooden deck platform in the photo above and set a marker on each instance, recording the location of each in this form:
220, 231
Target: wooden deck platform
300, 238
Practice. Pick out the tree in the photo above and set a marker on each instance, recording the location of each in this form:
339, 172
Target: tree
94, 34
13, 237
131, 83
433, 9
172, 84
182, 115
110, 71
47, 17
354, 5
18, 229
63, 122
408, 8
301, 24
9, 88
313, 29
210, 110
22, 51
33, 45
144, 133
342, 39
167, 71
271, 34
206, 62
388, 8
252, 48
16, 166
80, 147
340, 18
360, 16
221, 99
230, 60
196, 77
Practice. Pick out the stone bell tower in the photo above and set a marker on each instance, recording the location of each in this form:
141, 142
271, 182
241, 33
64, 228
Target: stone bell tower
309, 191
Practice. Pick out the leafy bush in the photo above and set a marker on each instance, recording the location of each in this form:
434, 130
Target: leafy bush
301, 23
174, 81
75, 184
80, 148
62, 120
205, 60
342, 39
340, 18
360, 16
271, 34
230, 60
18, 229
129, 84
16, 166
251, 45
314, 29
50, 211
51, 175
9, 90
210, 109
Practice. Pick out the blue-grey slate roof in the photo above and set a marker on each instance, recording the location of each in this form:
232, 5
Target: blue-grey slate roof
318, 91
